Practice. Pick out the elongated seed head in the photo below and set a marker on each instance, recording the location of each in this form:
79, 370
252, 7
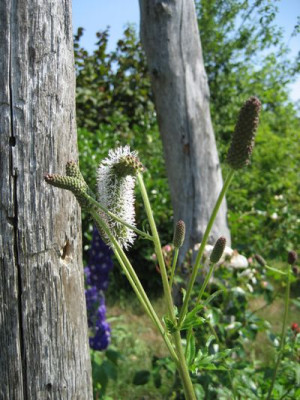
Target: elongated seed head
261, 261
242, 143
116, 180
179, 234
76, 186
292, 257
218, 250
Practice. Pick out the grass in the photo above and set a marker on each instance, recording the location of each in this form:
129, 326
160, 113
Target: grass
135, 337
273, 313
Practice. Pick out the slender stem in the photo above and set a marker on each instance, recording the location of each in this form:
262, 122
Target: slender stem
206, 280
158, 251
183, 369
202, 246
282, 340
106, 211
181, 365
176, 252
135, 283
275, 270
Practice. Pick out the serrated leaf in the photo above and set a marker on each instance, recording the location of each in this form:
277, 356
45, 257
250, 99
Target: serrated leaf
212, 296
192, 320
190, 350
171, 328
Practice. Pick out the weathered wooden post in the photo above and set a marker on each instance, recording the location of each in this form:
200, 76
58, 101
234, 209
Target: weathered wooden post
44, 350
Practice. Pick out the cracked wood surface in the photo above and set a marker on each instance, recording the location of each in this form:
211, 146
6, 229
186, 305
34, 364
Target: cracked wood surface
170, 37
43, 329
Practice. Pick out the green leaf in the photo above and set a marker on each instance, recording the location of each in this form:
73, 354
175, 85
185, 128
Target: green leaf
110, 369
192, 320
113, 356
141, 377
190, 350
212, 296
171, 328
157, 379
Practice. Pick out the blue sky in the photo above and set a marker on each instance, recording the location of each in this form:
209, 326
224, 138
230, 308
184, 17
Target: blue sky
95, 15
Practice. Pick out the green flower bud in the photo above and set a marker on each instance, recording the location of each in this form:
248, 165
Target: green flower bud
75, 185
218, 250
72, 170
127, 165
179, 234
242, 143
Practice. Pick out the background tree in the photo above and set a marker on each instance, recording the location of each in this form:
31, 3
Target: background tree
43, 336
171, 40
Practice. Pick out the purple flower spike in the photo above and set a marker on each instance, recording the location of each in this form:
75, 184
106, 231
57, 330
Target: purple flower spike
96, 273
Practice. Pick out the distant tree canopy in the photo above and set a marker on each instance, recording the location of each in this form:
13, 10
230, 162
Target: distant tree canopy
244, 54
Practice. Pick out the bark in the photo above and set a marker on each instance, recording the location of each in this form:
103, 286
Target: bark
43, 329
171, 40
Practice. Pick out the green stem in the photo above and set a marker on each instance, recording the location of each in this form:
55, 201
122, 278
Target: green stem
176, 252
135, 283
202, 246
181, 365
106, 211
183, 369
275, 270
157, 246
282, 340
206, 280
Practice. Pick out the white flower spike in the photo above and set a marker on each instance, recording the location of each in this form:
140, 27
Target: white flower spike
116, 180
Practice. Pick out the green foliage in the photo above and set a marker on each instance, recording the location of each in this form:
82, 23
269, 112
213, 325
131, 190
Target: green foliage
133, 366
235, 346
112, 84
244, 55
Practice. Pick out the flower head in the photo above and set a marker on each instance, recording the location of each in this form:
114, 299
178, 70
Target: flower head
242, 143
218, 250
116, 179
292, 257
179, 234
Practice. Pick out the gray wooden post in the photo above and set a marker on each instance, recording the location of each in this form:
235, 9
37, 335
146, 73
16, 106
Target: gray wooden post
170, 37
44, 350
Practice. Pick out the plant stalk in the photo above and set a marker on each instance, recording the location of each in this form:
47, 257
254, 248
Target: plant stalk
181, 365
176, 252
202, 246
283, 330
206, 280
135, 283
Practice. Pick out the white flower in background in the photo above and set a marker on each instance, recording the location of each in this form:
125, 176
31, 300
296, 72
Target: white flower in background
274, 216
116, 180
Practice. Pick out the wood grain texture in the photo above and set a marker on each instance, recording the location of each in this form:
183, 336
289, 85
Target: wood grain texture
43, 328
170, 37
